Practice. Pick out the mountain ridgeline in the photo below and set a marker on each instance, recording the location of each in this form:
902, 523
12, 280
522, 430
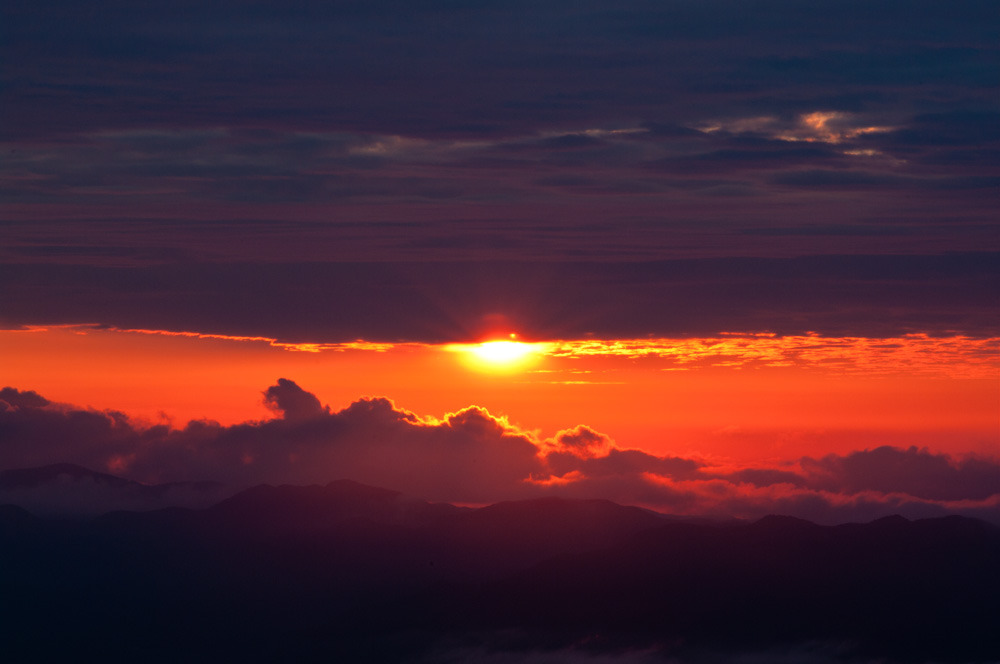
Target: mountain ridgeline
348, 572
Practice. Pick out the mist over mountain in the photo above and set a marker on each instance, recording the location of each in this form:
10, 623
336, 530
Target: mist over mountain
70, 490
353, 572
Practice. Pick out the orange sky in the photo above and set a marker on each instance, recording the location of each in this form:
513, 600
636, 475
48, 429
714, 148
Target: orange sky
732, 396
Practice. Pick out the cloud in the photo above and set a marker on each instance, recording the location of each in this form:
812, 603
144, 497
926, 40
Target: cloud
292, 402
472, 456
582, 441
469, 455
971, 129
859, 179
828, 127
912, 473
838, 295
37, 432
12, 398
915, 472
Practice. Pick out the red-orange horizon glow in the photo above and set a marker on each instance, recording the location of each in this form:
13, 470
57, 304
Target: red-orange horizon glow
729, 396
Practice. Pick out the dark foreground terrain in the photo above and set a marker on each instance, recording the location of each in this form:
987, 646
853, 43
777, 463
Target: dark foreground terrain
348, 572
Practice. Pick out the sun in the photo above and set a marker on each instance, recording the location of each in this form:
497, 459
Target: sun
507, 355
502, 352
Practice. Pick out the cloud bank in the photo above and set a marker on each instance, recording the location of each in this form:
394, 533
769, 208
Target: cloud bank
580, 168
473, 456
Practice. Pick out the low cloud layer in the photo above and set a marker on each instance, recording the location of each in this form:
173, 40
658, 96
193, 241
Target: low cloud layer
471, 456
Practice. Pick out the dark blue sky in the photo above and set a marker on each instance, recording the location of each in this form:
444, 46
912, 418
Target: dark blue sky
404, 170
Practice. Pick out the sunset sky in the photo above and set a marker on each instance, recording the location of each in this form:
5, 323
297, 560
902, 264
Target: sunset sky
744, 256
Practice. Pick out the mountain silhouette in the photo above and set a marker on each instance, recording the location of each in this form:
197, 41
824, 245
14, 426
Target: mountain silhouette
26, 478
69, 490
287, 508
352, 572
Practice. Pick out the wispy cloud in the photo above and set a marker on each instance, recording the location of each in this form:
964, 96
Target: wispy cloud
813, 127
920, 354
914, 354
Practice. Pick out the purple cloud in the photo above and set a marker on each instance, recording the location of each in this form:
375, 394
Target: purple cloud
473, 456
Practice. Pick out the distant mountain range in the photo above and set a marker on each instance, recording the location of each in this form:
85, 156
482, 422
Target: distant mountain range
348, 572
69, 490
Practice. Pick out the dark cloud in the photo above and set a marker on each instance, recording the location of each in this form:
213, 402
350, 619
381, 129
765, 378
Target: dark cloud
447, 301
561, 60
424, 137
588, 209
14, 398
583, 442
767, 477
966, 128
468, 456
630, 464
855, 486
859, 179
292, 402
915, 472
844, 179
36, 432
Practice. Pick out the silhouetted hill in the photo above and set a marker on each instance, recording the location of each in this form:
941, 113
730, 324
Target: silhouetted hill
14, 518
69, 490
905, 591
285, 509
26, 478
507, 536
348, 572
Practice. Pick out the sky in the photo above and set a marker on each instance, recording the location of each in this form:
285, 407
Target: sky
750, 247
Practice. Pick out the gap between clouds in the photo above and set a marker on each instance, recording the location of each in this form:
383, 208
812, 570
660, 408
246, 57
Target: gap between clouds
473, 456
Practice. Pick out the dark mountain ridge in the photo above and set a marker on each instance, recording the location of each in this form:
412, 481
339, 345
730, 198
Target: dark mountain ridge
72, 491
24, 478
349, 571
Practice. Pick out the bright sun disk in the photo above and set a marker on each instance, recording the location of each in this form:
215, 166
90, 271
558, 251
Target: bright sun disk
502, 352
498, 355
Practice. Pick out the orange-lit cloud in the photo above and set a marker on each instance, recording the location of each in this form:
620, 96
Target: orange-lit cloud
920, 354
914, 353
818, 126
830, 127
270, 341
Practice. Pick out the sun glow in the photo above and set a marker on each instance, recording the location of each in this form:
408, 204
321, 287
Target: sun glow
502, 352
505, 355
